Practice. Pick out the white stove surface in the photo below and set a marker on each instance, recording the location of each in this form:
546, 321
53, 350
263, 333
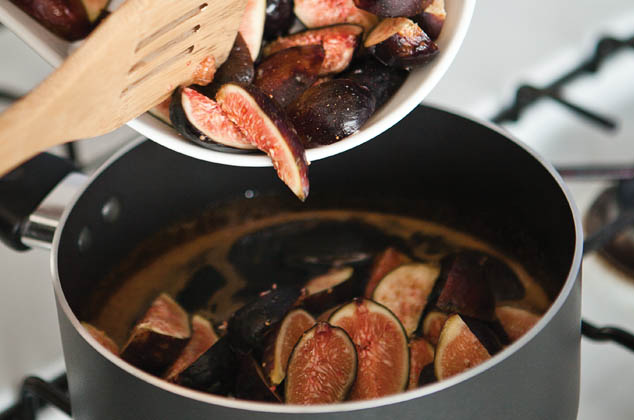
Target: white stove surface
508, 43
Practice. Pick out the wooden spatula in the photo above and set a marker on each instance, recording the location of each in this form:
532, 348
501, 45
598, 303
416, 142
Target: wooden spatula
132, 61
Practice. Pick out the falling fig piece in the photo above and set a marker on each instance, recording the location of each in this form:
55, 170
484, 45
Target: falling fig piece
266, 125
405, 291
383, 263
458, 349
515, 321
252, 26
432, 19
159, 337
203, 337
421, 355
382, 348
391, 8
318, 13
322, 367
339, 43
280, 344
400, 42
101, 337
432, 325
286, 74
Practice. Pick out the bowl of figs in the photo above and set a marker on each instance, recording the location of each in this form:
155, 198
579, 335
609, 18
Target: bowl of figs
306, 79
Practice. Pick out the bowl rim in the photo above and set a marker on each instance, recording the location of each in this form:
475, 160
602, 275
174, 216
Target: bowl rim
561, 299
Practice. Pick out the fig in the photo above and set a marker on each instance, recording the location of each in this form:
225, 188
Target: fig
286, 74
203, 337
201, 120
382, 348
432, 19
329, 280
317, 13
383, 263
503, 281
252, 26
485, 333
458, 349
421, 355
214, 371
249, 325
321, 80
391, 8
266, 125
427, 375
281, 343
101, 337
322, 367
200, 288
465, 289
251, 384
331, 289
279, 18
432, 325
339, 43
405, 291
400, 42
162, 111
331, 111
159, 337
515, 321
381, 80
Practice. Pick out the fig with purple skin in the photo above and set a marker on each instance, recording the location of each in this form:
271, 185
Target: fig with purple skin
251, 384
432, 19
400, 42
318, 13
279, 18
286, 74
427, 375
200, 287
331, 111
203, 337
485, 333
322, 367
158, 337
214, 371
252, 26
201, 120
101, 337
382, 348
515, 321
391, 8
405, 291
421, 355
330, 289
381, 80
458, 349
266, 126
432, 325
339, 43
281, 343
383, 263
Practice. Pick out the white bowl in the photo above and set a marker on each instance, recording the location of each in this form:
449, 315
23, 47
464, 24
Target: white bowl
418, 84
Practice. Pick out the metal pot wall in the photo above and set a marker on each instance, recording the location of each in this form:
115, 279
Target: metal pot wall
433, 164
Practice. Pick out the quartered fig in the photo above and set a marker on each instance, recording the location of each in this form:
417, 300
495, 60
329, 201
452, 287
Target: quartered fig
281, 343
383, 263
391, 8
400, 42
427, 375
286, 74
382, 348
503, 281
331, 289
465, 289
331, 111
486, 334
515, 321
252, 26
432, 19
265, 124
251, 383
339, 43
458, 349
214, 371
432, 325
162, 111
317, 13
405, 291
421, 355
381, 80
201, 120
203, 337
250, 324
202, 285
159, 337
279, 18
322, 367
101, 337
328, 280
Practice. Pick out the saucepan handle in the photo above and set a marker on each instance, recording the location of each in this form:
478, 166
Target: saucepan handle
22, 193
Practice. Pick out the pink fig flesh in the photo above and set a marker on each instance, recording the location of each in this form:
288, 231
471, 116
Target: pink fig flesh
383, 263
203, 337
421, 354
318, 13
515, 321
432, 325
101, 337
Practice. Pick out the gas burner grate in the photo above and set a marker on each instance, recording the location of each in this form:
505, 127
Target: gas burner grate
526, 95
35, 394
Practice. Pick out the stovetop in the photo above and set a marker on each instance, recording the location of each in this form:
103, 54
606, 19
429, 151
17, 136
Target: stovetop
510, 44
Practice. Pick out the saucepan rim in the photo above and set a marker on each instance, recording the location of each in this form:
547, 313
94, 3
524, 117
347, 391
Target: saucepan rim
555, 307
